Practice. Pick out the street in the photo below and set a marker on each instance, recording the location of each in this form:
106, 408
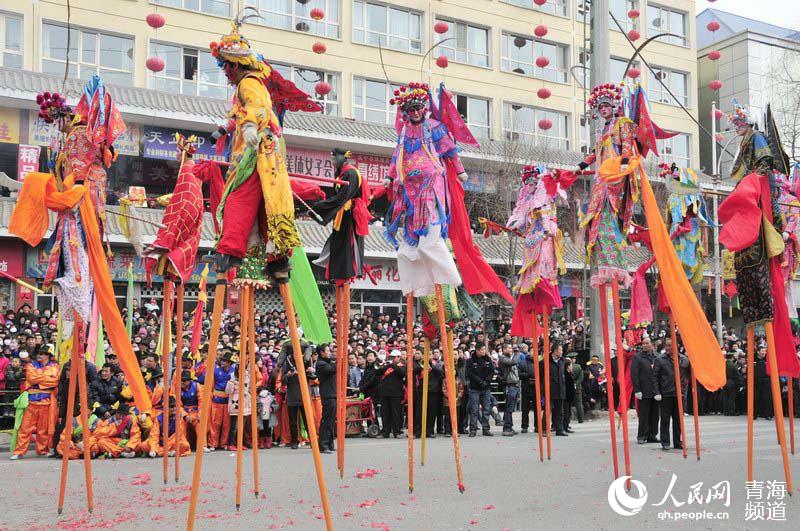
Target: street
506, 486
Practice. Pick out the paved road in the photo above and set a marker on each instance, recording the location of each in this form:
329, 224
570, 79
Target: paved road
507, 487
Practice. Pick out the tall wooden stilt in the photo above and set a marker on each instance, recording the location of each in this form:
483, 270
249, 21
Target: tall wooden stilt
696, 414
68, 420
538, 383
341, 366
166, 343
244, 346
84, 398
205, 402
341, 427
410, 386
177, 378
426, 359
609, 375
307, 407
777, 404
751, 340
546, 356
678, 389
451, 382
624, 393
254, 373
790, 404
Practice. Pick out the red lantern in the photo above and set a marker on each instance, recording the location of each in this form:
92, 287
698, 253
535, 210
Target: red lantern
545, 124
540, 30
317, 14
544, 93
322, 88
715, 85
714, 55
633, 13
542, 61
634, 72
719, 137
712, 26
634, 35
319, 48
441, 27
155, 20
540, 2
155, 64
717, 114
442, 61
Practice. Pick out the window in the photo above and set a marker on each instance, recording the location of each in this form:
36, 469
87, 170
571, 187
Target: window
519, 55
371, 100
678, 83
292, 15
554, 7
465, 43
664, 20
676, 149
306, 80
476, 114
620, 8
11, 45
521, 123
188, 71
211, 7
90, 53
392, 27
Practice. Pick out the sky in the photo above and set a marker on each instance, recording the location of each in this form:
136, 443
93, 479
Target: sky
784, 13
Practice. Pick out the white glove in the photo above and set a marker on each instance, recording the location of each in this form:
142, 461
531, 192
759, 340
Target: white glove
463, 176
658, 398
152, 453
638, 395
250, 134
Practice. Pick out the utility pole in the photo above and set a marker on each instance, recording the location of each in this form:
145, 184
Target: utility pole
715, 203
599, 67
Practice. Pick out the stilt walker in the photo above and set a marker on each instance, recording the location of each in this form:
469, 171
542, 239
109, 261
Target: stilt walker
427, 201
256, 205
752, 227
172, 255
534, 219
342, 257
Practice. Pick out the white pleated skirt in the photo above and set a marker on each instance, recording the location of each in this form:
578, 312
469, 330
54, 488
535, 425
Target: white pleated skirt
428, 263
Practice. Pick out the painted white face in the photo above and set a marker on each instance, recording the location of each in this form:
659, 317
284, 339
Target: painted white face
606, 110
416, 114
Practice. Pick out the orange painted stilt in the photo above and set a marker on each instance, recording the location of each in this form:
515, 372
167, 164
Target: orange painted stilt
84, 397
790, 404
777, 404
410, 386
340, 392
73, 382
244, 346
166, 343
678, 389
449, 357
177, 377
609, 376
426, 360
307, 407
623, 382
751, 380
546, 357
205, 401
537, 384
696, 414
341, 427
254, 373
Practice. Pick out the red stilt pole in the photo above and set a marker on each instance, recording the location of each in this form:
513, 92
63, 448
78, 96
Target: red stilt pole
623, 382
547, 405
777, 404
538, 383
177, 379
166, 341
609, 376
677, 369
83, 393
790, 404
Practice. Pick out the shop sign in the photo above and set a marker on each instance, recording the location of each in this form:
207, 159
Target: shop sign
160, 143
9, 126
319, 164
27, 160
11, 258
385, 273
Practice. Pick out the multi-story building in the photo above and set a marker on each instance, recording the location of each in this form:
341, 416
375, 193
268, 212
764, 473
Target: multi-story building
492, 48
758, 65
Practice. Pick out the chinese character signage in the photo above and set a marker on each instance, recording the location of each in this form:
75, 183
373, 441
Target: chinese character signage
160, 143
41, 133
319, 164
9, 126
385, 274
27, 160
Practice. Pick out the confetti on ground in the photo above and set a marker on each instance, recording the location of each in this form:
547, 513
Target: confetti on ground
368, 503
488, 507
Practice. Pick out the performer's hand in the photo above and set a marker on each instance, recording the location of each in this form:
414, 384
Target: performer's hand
623, 167
638, 395
463, 176
250, 134
658, 398
152, 453
785, 236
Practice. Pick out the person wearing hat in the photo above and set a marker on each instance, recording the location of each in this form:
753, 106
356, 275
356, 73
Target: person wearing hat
190, 400
219, 424
392, 378
41, 379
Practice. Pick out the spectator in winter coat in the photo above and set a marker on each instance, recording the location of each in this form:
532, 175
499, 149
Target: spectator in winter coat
326, 373
392, 377
645, 389
664, 372
509, 374
479, 373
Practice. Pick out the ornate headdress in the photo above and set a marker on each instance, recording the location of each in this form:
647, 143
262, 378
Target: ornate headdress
235, 48
740, 115
609, 93
529, 173
415, 95
53, 107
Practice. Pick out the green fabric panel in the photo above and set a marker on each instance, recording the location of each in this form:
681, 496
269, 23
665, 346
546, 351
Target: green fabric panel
307, 300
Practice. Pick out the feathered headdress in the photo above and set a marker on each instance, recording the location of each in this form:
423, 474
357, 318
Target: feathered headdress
606, 93
529, 173
52, 107
415, 95
235, 48
740, 115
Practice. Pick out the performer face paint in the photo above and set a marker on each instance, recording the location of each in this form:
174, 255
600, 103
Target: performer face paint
606, 111
416, 114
